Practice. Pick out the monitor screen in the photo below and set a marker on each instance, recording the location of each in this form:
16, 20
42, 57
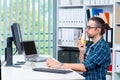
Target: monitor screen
17, 38
29, 47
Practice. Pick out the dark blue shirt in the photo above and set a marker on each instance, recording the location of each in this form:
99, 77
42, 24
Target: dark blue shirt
97, 60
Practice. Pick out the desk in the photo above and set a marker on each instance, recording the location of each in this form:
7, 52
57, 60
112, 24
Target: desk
26, 73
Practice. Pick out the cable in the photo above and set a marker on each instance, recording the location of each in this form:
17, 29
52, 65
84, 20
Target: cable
15, 52
2, 62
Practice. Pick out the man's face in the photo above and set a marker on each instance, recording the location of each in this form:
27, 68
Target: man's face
91, 30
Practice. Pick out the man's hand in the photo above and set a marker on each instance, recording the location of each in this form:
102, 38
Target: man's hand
53, 63
81, 45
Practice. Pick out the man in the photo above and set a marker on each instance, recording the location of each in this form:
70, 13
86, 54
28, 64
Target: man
94, 57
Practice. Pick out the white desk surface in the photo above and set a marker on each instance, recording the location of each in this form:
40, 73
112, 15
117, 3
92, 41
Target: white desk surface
26, 73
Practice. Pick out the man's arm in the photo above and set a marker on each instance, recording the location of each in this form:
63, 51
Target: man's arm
82, 48
56, 64
74, 66
81, 57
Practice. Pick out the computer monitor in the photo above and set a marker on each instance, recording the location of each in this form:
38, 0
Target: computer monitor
17, 38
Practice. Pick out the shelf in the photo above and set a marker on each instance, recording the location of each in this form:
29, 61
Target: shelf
117, 47
118, 24
67, 46
117, 72
71, 6
109, 72
72, 27
117, 1
101, 5
111, 48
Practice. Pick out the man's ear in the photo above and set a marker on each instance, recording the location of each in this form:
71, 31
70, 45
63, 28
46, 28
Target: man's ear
99, 30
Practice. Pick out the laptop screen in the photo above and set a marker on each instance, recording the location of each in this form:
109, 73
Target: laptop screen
29, 47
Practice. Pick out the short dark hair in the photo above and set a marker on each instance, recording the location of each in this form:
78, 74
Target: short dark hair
100, 23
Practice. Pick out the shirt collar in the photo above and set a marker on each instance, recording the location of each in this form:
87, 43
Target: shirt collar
98, 42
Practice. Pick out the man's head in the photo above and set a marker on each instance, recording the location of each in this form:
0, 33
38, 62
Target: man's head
96, 27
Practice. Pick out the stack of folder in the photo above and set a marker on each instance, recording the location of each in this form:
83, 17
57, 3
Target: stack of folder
71, 17
68, 36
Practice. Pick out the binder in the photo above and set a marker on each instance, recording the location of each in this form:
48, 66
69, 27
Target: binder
98, 2
60, 18
117, 36
65, 36
60, 36
95, 12
105, 36
111, 1
88, 14
117, 53
109, 37
106, 17
106, 1
111, 19
71, 34
77, 2
88, 2
93, 2
76, 35
64, 2
111, 64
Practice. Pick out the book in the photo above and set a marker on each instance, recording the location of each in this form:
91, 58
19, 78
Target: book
88, 14
95, 12
110, 67
106, 17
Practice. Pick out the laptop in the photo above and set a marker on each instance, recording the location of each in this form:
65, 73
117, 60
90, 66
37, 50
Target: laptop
31, 52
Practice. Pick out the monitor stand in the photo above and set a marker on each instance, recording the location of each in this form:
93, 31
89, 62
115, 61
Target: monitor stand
8, 52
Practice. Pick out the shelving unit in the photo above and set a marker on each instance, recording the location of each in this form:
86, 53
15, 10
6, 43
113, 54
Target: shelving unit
66, 27
71, 23
116, 42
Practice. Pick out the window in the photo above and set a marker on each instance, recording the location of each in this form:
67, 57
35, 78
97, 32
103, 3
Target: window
35, 19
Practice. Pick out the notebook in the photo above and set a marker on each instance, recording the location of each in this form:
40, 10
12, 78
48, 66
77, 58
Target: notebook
31, 52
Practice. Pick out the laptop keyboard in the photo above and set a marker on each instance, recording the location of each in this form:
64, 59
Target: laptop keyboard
52, 70
36, 59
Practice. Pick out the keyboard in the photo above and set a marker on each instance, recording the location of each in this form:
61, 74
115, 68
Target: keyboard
36, 59
52, 70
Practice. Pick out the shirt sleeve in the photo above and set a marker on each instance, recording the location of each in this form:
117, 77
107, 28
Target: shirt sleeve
95, 58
